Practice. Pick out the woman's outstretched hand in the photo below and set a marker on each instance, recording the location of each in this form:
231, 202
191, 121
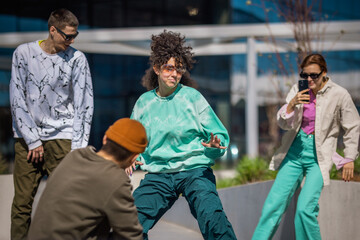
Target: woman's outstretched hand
213, 143
129, 171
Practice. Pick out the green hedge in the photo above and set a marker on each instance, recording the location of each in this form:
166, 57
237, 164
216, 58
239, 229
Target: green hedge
336, 174
251, 170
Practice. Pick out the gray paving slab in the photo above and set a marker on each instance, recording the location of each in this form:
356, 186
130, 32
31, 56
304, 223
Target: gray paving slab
164, 230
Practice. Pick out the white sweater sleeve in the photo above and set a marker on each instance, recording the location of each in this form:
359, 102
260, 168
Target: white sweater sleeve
286, 121
21, 116
83, 103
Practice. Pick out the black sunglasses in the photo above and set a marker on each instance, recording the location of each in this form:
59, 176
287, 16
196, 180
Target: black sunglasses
67, 37
313, 76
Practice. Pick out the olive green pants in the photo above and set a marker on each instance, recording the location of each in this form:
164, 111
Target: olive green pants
27, 177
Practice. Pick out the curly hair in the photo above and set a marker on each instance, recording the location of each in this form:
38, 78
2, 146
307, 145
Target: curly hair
164, 46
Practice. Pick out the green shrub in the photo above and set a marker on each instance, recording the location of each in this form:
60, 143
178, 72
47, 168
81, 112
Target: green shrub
334, 174
357, 166
249, 170
337, 174
257, 169
224, 183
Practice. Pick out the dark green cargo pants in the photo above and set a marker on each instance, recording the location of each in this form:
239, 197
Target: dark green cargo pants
159, 191
27, 176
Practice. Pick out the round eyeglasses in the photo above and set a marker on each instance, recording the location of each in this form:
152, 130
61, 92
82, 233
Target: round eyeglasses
168, 69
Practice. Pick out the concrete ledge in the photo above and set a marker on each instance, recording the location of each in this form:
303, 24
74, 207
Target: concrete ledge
339, 210
6, 197
243, 205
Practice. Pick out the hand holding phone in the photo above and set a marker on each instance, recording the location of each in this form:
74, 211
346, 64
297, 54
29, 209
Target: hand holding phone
304, 84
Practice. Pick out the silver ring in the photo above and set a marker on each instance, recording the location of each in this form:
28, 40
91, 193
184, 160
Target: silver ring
41, 154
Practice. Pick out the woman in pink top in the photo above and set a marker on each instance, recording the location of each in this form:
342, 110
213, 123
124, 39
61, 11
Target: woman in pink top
313, 119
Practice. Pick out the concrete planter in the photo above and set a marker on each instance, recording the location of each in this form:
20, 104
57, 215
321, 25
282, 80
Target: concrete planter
339, 210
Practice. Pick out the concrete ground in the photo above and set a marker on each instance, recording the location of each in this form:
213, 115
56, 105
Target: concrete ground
165, 230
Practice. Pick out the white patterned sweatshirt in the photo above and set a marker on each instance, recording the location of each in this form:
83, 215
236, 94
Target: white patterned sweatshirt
51, 95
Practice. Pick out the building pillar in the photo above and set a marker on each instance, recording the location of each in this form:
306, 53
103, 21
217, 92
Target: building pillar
251, 109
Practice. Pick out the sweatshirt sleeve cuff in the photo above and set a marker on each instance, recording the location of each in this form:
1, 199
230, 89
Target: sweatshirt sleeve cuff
340, 161
214, 153
34, 145
284, 114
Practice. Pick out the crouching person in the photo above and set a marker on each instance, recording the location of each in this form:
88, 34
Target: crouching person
89, 193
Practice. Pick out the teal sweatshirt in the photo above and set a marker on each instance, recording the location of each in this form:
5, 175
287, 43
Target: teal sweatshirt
175, 126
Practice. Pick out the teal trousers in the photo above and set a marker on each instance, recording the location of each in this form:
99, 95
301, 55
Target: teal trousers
157, 192
300, 161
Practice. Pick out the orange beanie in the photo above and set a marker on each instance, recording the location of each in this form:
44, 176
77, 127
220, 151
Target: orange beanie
129, 134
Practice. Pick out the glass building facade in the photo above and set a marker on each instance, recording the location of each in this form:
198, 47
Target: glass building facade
116, 78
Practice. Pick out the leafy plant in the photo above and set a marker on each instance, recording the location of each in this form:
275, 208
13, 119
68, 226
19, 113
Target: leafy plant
253, 170
249, 170
256, 169
225, 183
336, 174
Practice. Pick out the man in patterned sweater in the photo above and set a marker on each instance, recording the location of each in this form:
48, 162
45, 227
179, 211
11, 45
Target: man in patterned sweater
51, 101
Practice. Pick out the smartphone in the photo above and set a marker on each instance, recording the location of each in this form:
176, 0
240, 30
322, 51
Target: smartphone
303, 84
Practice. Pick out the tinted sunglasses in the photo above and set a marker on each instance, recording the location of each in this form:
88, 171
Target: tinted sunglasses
313, 76
67, 37
168, 69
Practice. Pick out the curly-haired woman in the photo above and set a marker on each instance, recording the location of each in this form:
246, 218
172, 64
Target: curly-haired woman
185, 136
